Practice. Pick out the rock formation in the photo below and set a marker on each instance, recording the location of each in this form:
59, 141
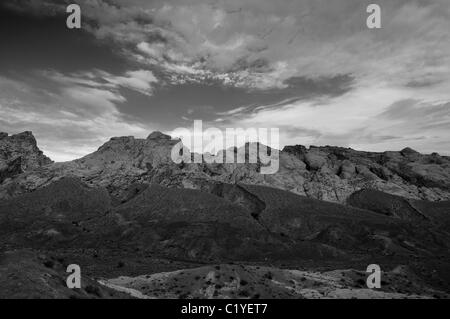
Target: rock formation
326, 173
18, 154
129, 210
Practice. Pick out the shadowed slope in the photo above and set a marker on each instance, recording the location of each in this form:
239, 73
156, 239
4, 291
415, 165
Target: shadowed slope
416, 211
25, 274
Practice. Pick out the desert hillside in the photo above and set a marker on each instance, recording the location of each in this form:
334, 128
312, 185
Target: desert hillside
141, 226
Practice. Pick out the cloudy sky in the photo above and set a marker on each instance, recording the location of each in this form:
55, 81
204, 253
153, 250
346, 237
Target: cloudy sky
312, 68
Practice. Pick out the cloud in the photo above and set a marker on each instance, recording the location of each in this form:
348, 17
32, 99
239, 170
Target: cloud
141, 81
418, 117
70, 121
259, 44
367, 118
310, 67
102, 100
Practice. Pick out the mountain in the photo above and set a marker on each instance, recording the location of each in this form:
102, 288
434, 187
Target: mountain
338, 172
415, 211
247, 224
128, 212
235, 222
19, 153
325, 173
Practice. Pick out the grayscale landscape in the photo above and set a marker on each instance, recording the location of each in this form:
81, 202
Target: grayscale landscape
119, 180
140, 225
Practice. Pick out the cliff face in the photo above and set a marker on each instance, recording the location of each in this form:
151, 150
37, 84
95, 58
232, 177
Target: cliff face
18, 154
333, 173
325, 173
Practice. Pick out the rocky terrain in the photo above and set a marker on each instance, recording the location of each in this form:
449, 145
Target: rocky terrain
255, 282
128, 212
325, 173
28, 275
18, 154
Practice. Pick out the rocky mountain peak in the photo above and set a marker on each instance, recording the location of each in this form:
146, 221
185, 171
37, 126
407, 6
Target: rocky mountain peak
323, 172
158, 136
19, 153
26, 137
408, 151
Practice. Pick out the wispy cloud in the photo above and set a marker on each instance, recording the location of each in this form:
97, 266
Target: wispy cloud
261, 45
141, 81
69, 121
309, 67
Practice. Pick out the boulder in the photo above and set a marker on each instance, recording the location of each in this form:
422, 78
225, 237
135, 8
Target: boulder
315, 161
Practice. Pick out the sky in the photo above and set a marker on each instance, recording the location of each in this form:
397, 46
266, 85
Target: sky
311, 68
